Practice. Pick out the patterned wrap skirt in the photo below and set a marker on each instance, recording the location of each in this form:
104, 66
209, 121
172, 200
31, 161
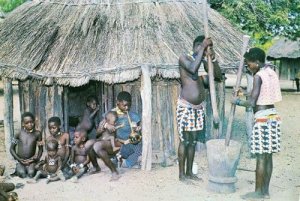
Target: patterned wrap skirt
266, 132
189, 117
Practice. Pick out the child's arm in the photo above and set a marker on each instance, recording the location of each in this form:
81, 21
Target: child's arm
67, 150
101, 128
87, 161
59, 164
13, 145
94, 112
40, 147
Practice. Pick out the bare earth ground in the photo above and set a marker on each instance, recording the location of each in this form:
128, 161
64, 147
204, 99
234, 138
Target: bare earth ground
161, 183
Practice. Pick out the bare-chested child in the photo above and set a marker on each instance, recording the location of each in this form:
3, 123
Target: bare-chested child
51, 168
105, 134
79, 154
25, 153
88, 120
62, 138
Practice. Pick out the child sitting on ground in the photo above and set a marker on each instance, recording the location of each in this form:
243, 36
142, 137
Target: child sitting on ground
51, 165
23, 147
79, 155
62, 138
105, 134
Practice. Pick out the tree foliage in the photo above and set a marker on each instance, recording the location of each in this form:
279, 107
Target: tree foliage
9, 5
262, 19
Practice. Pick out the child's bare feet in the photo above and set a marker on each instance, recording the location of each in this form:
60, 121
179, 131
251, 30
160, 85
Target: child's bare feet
74, 179
32, 181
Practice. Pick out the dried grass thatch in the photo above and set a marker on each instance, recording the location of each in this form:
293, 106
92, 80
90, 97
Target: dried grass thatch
285, 48
107, 40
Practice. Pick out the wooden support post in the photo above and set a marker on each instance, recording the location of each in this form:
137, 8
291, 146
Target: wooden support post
8, 114
66, 108
146, 95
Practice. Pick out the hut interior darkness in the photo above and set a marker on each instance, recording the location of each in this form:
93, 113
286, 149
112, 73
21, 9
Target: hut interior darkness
61, 51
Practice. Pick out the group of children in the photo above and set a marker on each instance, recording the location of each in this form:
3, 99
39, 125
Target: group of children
62, 161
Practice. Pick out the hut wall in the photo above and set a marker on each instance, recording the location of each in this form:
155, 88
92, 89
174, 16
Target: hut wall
288, 68
44, 102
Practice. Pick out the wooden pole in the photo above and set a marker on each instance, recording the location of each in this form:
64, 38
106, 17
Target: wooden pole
66, 108
237, 85
8, 114
146, 95
249, 111
212, 87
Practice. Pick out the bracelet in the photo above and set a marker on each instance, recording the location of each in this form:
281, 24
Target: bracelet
238, 101
214, 60
72, 165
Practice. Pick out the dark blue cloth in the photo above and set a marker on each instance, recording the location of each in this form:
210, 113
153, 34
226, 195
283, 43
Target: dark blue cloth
124, 132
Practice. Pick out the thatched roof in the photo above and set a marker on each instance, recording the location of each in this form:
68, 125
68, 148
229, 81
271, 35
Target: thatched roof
74, 41
285, 48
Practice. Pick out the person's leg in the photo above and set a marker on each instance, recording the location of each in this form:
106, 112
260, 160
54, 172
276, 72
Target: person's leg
192, 136
39, 174
130, 154
297, 84
259, 179
93, 157
21, 170
102, 149
31, 170
268, 172
181, 159
260, 173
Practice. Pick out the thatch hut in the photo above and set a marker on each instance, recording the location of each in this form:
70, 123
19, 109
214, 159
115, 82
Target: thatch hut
62, 50
287, 52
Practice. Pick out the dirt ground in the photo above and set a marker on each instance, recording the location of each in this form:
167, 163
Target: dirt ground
161, 183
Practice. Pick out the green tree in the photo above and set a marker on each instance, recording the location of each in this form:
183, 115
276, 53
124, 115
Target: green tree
9, 5
262, 19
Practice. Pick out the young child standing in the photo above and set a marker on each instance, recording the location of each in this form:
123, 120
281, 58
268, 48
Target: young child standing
51, 165
63, 139
79, 155
105, 134
89, 116
25, 153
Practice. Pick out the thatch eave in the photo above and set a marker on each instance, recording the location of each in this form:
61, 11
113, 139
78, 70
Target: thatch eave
284, 48
73, 42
